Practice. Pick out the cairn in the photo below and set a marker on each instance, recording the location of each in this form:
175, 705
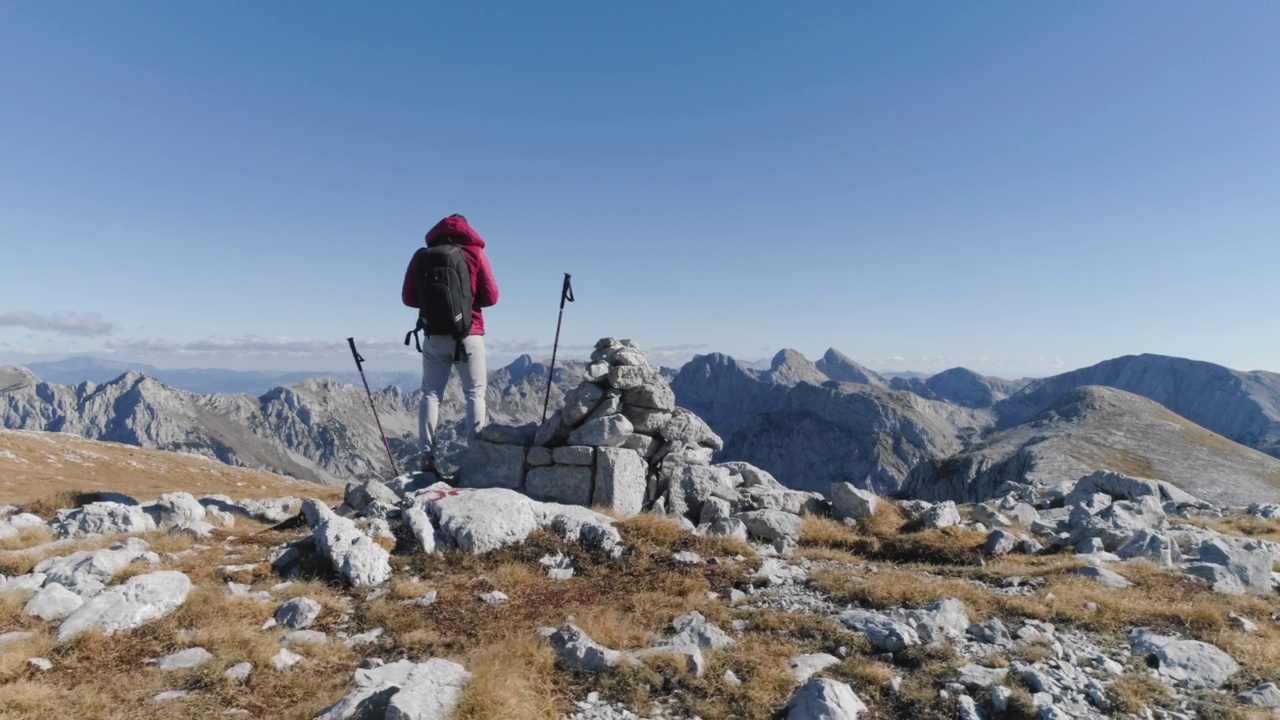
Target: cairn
621, 442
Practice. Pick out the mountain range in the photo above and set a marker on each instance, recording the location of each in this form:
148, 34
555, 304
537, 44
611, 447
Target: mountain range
956, 434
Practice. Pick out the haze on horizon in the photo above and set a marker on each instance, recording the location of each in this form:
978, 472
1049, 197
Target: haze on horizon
1018, 189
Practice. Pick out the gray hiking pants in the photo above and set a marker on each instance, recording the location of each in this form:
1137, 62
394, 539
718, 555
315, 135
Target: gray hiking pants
437, 361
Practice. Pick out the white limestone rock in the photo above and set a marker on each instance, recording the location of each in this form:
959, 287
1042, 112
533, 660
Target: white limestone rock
184, 659
852, 503
351, 553
1184, 662
771, 525
299, 613
577, 652
479, 521
607, 431
87, 572
137, 601
584, 455
825, 699
100, 518
620, 481
560, 483
52, 602
942, 515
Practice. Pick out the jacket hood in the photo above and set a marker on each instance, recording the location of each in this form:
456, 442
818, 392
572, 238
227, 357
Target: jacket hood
454, 226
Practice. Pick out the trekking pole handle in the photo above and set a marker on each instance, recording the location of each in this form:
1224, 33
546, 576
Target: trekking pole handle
355, 354
566, 292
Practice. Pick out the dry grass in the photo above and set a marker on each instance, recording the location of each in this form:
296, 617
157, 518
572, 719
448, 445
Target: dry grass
47, 469
1133, 692
1243, 525
511, 678
27, 537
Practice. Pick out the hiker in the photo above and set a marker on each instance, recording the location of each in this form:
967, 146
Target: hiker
431, 284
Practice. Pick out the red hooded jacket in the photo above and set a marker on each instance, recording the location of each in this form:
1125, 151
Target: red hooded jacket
484, 290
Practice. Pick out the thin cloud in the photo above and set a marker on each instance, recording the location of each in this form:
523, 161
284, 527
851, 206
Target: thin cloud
251, 345
72, 324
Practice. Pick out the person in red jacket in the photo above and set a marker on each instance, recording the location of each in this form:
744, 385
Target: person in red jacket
438, 352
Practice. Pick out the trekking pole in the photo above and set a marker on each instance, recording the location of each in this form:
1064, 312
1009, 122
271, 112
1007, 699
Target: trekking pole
360, 368
566, 295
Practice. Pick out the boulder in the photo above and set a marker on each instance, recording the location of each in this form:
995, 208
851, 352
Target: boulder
360, 495
52, 602
771, 525
611, 404
100, 518
1104, 577
942, 515
1000, 542
430, 692
478, 521
694, 629
491, 465
239, 672
646, 421
656, 395
271, 510
804, 667
184, 659
729, 527
1248, 560
689, 485
715, 509
285, 659
137, 601
634, 377
87, 572
24, 585
978, 677
579, 403
583, 455
690, 429
940, 620
352, 554
579, 525
419, 525
882, 631
1265, 695
825, 699
298, 614
852, 503
1184, 662
991, 632
176, 508
539, 456
560, 483
552, 430
1156, 547
620, 481
607, 431
577, 652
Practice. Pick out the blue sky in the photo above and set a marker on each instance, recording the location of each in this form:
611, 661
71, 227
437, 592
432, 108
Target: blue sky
1020, 188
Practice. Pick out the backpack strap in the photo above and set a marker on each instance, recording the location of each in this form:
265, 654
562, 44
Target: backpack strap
459, 352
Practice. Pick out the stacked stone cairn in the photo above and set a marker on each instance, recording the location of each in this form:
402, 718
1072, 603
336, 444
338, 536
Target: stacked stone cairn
621, 443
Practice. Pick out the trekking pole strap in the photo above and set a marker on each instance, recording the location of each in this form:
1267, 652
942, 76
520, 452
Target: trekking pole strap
566, 291
356, 355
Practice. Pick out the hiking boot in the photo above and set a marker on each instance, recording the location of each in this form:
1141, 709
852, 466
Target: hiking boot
428, 465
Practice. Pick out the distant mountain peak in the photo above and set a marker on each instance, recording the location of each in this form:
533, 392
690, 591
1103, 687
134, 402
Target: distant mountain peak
789, 367
841, 368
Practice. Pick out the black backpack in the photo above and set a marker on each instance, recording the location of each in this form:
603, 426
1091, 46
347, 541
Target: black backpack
444, 294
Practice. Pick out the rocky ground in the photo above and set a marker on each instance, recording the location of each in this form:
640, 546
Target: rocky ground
420, 600
603, 566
